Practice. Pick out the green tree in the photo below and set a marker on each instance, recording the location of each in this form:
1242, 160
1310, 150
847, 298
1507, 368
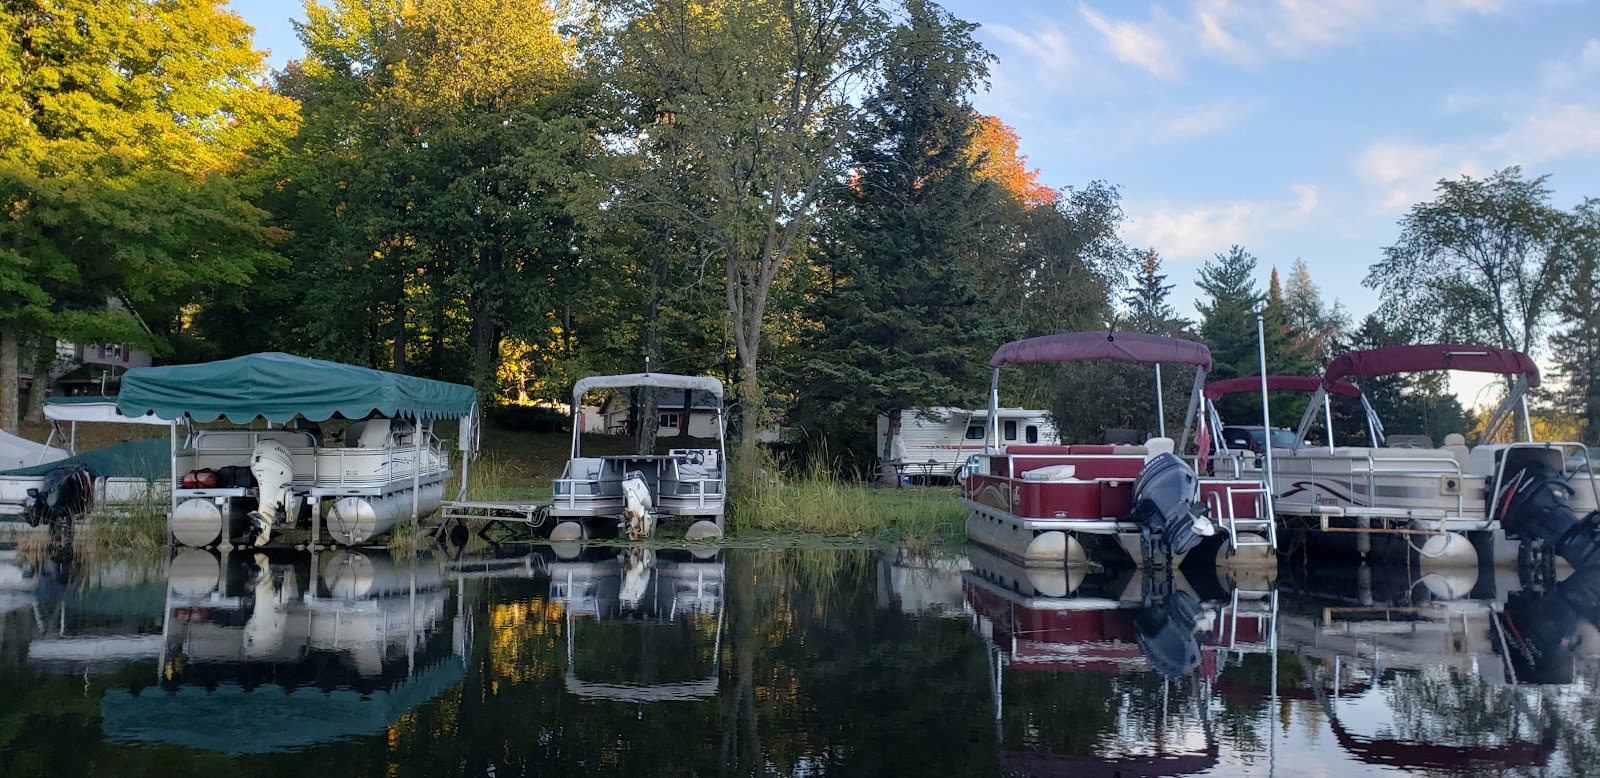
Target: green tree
439, 190
1482, 262
1406, 403
1228, 326
902, 322
1577, 345
131, 135
1320, 323
746, 108
1146, 301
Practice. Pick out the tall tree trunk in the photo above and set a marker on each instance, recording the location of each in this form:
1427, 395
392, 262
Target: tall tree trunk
649, 409
8, 377
485, 328
688, 413
887, 474
44, 361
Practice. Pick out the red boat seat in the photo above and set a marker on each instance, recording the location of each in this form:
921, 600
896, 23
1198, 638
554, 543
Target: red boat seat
1084, 448
1037, 449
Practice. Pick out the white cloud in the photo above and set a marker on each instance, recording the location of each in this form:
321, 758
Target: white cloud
1549, 133
1140, 45
1047, 48
1194, 122
1570, 72
1193, 233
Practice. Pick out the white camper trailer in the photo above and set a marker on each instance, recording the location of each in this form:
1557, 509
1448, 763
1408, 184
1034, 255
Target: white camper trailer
936, 441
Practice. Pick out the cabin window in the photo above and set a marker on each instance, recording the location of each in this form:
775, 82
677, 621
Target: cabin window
670, 421
1011, 430
974, 432
1031, 433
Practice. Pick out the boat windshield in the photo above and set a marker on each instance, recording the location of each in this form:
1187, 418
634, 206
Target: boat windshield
1280, 438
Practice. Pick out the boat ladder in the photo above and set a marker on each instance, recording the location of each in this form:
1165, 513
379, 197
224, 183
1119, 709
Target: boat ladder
1221, 505
1265, 614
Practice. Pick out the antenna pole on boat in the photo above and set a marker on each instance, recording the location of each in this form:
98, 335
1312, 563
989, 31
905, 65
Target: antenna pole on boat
1266, 411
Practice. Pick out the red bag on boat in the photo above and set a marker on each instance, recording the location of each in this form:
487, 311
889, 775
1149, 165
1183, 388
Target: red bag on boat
205, 478
1202, 442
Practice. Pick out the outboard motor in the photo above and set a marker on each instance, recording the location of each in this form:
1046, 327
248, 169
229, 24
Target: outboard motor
1165, 633
273, 468
1535, 507
636, 518
63, 496
1165, 503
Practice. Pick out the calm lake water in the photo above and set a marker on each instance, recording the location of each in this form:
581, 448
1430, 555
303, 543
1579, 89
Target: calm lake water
605, 660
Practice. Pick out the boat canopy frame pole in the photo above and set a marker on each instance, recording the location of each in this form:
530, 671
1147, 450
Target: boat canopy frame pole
1327, 415
577, 423
1161, 404
1516, 400
1191, 416
1319, 397
1266, 409
991, 428
1374, 424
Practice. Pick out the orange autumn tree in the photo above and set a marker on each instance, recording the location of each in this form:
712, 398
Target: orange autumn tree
993, 150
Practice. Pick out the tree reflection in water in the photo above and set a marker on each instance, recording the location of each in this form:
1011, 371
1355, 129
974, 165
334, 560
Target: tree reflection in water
664, 661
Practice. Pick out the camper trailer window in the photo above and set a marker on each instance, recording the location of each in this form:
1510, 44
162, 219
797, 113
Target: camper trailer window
974, 432
1011, 430
1031, 433
669, 421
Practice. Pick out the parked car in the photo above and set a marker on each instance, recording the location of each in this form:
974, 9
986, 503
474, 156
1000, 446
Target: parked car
1251, 437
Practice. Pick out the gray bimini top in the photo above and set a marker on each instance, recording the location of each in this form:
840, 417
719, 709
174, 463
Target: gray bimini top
656, 380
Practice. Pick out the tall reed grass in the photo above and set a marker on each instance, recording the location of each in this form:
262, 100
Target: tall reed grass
766, 496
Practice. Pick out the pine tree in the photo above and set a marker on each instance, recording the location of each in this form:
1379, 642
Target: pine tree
1320, 323
1146, 302
1228, 325
903, 322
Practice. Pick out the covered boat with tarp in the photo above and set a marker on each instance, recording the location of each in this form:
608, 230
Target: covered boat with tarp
132, 475
247, 482
1057, 503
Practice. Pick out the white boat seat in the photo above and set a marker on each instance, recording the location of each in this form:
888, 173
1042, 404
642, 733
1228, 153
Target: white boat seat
1155, 447
1127, 450
1456, 444
1050, 473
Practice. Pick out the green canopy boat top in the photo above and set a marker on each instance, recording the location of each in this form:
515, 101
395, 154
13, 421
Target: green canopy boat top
149, 459
279, 387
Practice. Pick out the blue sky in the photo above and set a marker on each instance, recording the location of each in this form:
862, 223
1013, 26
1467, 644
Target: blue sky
1295, 128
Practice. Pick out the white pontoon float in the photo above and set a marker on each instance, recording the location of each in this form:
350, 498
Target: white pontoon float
246, 481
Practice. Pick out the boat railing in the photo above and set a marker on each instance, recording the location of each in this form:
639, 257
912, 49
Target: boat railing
1364, 472
368, 468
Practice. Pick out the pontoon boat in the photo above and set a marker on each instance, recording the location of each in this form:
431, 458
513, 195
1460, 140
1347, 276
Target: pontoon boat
1049, 503
635, 489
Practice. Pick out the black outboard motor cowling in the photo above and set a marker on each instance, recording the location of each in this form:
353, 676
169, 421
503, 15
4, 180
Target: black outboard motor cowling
64, 495
1165, 634
1165, 503
1536, 505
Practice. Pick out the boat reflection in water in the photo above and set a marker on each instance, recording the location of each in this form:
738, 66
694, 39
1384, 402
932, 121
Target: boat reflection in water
1470, 681
278, 652
1143, 642
652, 621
